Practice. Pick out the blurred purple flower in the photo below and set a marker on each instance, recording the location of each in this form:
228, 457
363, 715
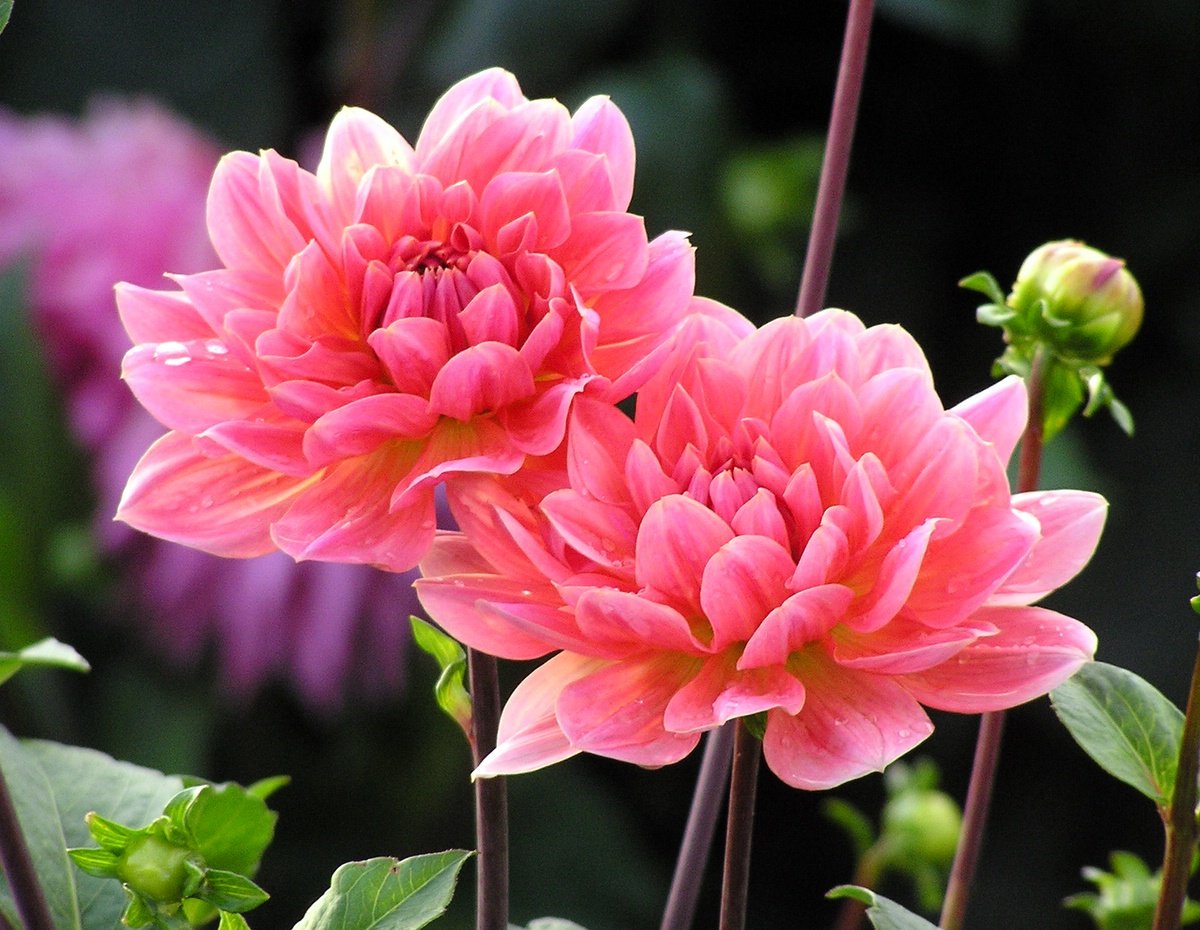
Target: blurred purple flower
118, 196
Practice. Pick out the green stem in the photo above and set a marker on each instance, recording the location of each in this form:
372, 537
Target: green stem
1180, 819
852, 912
18, 867
991, 726
701, 826
836, 163
491, 797
743, 786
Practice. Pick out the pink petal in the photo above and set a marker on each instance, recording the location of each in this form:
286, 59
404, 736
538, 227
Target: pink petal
633, 622
1034, 652
223, 505
453, 554
529, 736
805, 617
598, 126
606, 251
159, 316
362, 426
998, 414
617, 711
760, 516
414, 350
472, 609
894, 581
357, 141
189, 386
852, 723
600, 437
645, 477
536, 425
271, 441
246, 221
494, 83
515, 194
454, 448
491, 316
881, 348
720, 693
345, 517
743, 582
675, 541
1071, 522
480, 378
905, 646
604, 533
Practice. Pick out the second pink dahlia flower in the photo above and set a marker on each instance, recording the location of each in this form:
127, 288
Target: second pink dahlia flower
793, 527
405, 314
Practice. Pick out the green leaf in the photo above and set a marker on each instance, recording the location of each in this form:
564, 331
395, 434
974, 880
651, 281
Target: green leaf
986, 284
110, 836
231, 921
46, 652
265, 787
229, 827
98, 862
229, 891
1125, 724
53, 788
451, 694
5, 13
386, 894
883, 913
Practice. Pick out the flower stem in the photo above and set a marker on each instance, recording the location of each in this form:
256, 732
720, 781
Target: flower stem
18, 867
491, 798
701, 826
991, 725
1180, 820
836, 164
740, 827
852, 912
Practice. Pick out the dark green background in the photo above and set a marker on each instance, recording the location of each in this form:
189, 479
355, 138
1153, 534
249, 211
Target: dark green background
988, 127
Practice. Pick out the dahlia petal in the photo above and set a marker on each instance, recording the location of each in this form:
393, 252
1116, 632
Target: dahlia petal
494, 84
625, 619
189, 386
598, 126
491, 316
676, 539
646, 480
599, 440
585, 181
905, 646
852, 723
362, 426
159, 316
617, 711
272, 442
514, 194
247, 225
898, 395
485, 611
452, 553
455, 448
413, 350
307, 401
316, 305
357, 141
606, 251
536, 425
480, 378
720, 693
998, 414
529, 736
938, 478
1071, 522
1034, 652
894, 581
888, 346
344, 517
604, 533
681, 426
803, 618
741, 584
501, 527
824, 556
223, 505
760, 516
217, 293
386, 197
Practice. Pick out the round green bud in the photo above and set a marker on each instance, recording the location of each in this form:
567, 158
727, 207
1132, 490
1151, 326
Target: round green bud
154, 868
1093, 305
922, 824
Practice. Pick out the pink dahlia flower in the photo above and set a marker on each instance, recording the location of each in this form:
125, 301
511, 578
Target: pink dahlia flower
793, 526
120, 195
406, 314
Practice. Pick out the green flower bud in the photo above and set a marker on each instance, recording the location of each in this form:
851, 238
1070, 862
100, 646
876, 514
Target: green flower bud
1090, 305
922, 824
154, 868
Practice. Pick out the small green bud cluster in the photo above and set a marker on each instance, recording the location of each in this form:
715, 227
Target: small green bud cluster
192, 863
1070, 310
1126, 897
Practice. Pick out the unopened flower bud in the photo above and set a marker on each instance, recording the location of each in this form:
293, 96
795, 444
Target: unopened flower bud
1092, 304
923, 824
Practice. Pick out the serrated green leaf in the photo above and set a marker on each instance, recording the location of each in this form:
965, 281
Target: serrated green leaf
47, 653
386, 894
450, 692
883, 913
230, 827
229, 891
1125, 724
54, 787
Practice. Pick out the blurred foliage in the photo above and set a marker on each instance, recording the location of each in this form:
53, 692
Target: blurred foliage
988, 126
